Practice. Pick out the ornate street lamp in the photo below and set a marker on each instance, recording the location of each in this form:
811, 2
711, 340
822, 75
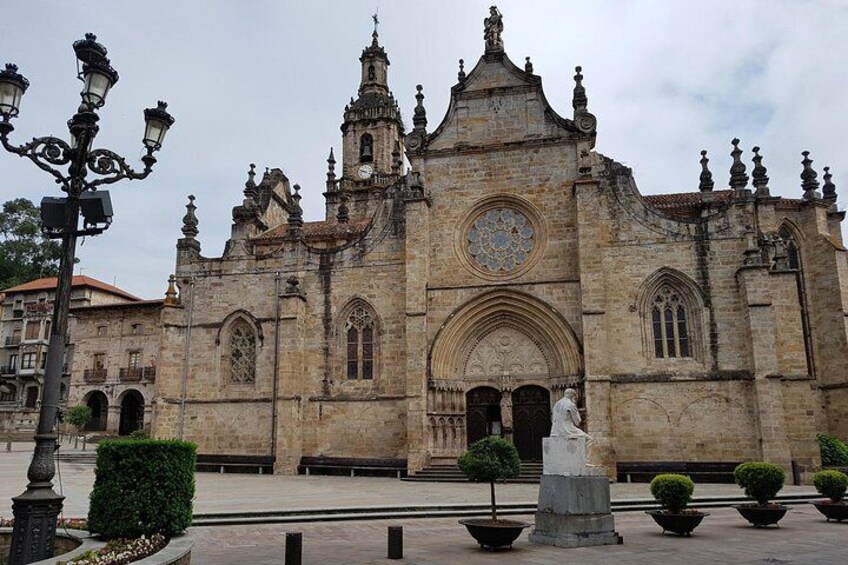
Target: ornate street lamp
37, 509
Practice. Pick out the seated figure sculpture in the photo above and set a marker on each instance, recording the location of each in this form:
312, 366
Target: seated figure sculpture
566, 420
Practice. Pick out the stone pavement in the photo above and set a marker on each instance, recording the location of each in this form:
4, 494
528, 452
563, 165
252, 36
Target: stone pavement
724, 537
238, 493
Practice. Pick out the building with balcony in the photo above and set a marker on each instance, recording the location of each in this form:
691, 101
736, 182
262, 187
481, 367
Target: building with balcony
26, 314
116, 351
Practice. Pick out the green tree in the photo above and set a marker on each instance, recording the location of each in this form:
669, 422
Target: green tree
24, 253
78, 416
488, 460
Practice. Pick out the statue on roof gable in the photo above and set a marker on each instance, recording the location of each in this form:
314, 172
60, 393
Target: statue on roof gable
492, 29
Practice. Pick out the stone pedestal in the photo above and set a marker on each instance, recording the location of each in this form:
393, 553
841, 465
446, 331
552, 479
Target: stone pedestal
574, 503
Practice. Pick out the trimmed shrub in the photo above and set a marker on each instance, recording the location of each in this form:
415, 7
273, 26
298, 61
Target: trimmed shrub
672, 491
490, 459
142, 487
831, 484
761, 481
139, 434
834, 452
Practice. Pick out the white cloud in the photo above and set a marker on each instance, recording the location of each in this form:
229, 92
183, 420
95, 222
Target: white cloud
266, 82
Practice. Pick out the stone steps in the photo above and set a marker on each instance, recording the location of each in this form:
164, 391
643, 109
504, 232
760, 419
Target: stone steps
531, 472
449, 510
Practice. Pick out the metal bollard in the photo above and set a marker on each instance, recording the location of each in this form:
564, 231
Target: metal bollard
294, 548
395, 542
8, 445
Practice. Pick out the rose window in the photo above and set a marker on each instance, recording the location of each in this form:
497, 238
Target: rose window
500, 240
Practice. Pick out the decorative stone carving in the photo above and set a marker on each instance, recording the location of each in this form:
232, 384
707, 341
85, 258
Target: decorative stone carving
506, 351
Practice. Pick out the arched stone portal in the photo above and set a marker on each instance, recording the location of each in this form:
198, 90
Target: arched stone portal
132, 412
99, 405
507, 351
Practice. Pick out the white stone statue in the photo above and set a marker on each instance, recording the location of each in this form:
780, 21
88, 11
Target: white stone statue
567, 418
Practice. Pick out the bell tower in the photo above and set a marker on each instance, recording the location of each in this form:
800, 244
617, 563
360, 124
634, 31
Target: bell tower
372, 129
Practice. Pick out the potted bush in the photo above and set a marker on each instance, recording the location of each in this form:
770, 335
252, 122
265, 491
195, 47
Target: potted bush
761, 481
488, 460
832, 484
674, 492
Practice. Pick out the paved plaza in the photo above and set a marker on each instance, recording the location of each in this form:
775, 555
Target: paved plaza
723, 538
804, 537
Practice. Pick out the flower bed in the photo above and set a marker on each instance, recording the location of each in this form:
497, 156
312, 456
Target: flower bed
120, 551
64, 523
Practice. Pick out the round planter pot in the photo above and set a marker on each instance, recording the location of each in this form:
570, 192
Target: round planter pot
680, 524
762, 516
832, 510
493, 534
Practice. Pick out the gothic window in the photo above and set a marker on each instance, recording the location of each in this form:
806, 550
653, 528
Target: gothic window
792, 253
360, 338
242, 353
669, 324
366, 148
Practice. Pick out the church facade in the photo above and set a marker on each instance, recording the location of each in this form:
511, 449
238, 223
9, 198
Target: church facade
466, 274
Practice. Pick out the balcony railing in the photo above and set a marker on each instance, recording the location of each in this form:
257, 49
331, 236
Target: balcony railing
135, 374
8, 370
94, 375
12, 340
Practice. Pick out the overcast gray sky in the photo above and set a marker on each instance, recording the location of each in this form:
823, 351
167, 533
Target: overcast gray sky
266, 82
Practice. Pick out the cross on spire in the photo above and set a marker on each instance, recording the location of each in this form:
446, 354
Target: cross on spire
376, 19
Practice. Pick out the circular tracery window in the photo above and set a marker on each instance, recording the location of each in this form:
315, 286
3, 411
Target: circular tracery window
500, 240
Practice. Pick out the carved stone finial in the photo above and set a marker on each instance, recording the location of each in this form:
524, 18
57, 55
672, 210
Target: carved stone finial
706, 184
753, 254
331, 172
829, 189
190, 221
250, 184
528, 66
460, 76
759, 174
808, 178
171, 298
738, 178
295, 219
343, 215
579, 101
492, 30
397, 162
419, 118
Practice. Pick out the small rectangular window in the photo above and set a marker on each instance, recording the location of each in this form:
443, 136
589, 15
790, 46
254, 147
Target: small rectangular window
99, 361
101, 330
32, 329
134, 359
28, 361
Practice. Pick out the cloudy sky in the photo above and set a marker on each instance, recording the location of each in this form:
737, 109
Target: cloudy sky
265, 82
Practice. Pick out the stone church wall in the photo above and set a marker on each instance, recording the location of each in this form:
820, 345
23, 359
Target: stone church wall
684, 421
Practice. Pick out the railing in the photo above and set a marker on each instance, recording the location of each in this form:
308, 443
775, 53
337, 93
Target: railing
135, 374
94, 375
8, 370
13, 340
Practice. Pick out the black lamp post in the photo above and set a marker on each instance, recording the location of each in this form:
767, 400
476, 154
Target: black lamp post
36, 510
